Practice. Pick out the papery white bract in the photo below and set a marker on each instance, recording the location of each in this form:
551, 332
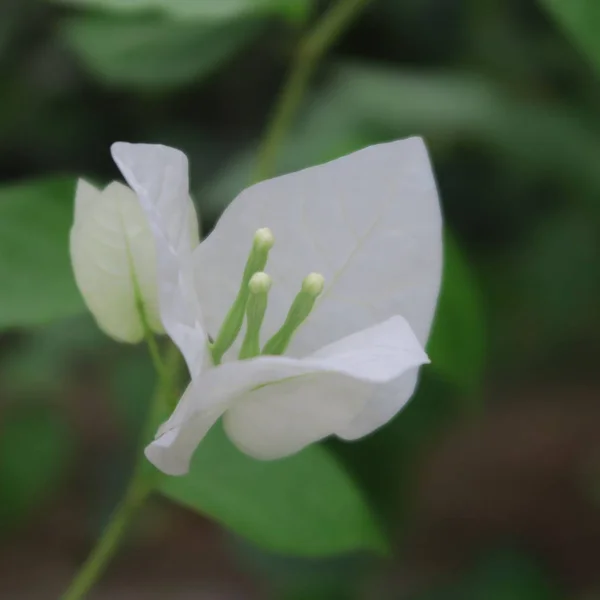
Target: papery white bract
370, 223
159, 176
114, 258
274, 405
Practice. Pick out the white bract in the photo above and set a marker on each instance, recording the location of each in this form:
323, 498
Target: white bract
369, 224
114, 258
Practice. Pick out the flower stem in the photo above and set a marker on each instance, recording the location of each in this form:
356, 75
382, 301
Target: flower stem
94, 566
308, 54
142, 481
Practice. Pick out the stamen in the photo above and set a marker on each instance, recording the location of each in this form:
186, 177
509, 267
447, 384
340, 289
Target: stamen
263, 242
301, 307
259, 286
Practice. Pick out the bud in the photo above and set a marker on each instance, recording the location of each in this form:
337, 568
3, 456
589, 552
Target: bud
303, 303
114, 260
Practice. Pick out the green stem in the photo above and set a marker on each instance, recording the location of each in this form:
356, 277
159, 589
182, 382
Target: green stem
310, 51
94, 566
140, 485
149, 338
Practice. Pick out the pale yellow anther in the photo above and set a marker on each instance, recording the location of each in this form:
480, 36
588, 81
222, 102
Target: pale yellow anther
303, 303
263, 238
313, 284
260, 283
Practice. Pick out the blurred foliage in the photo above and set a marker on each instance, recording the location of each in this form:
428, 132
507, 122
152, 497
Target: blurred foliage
456, 346
131, 388
35, 446
35, 269
386, 463
205, 10
508, 103
151, 53
501, 575
582, 19
303, 505
42, 363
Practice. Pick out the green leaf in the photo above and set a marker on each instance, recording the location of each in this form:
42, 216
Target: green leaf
203, 10
150, 52
457, 342
36, 281
499, 576
40, 363
304, 505
34, 450
555, 276
581, 18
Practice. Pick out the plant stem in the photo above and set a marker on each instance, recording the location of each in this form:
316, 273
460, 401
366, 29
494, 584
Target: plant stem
94, 566
149, 338
310, 50
141, 483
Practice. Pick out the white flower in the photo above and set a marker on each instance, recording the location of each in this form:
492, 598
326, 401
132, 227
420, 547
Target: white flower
370, 223
112, 253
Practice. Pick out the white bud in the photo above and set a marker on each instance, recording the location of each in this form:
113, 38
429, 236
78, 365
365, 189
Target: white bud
313, 284
259, 283
263, 238
112, 253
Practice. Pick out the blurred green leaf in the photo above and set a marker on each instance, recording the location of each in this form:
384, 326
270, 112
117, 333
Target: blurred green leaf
11, 17
301, 578
203, 10
556, 275
37, 283
41, 361
35, 447
151, 52
457, 342
581, 18
304, 505
132, 386
499, 576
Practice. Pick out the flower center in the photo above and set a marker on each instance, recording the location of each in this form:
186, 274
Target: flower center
251, 302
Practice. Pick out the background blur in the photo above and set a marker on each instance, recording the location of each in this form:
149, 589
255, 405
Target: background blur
489, 482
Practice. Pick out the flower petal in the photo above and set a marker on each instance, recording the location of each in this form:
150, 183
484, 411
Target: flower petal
172, 449
159, 176
206, 399
281, 418
111, 248
385, 403
277, 405
85, 197
369, 222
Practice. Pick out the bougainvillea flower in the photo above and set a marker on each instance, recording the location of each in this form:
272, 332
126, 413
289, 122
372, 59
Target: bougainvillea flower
305, 312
